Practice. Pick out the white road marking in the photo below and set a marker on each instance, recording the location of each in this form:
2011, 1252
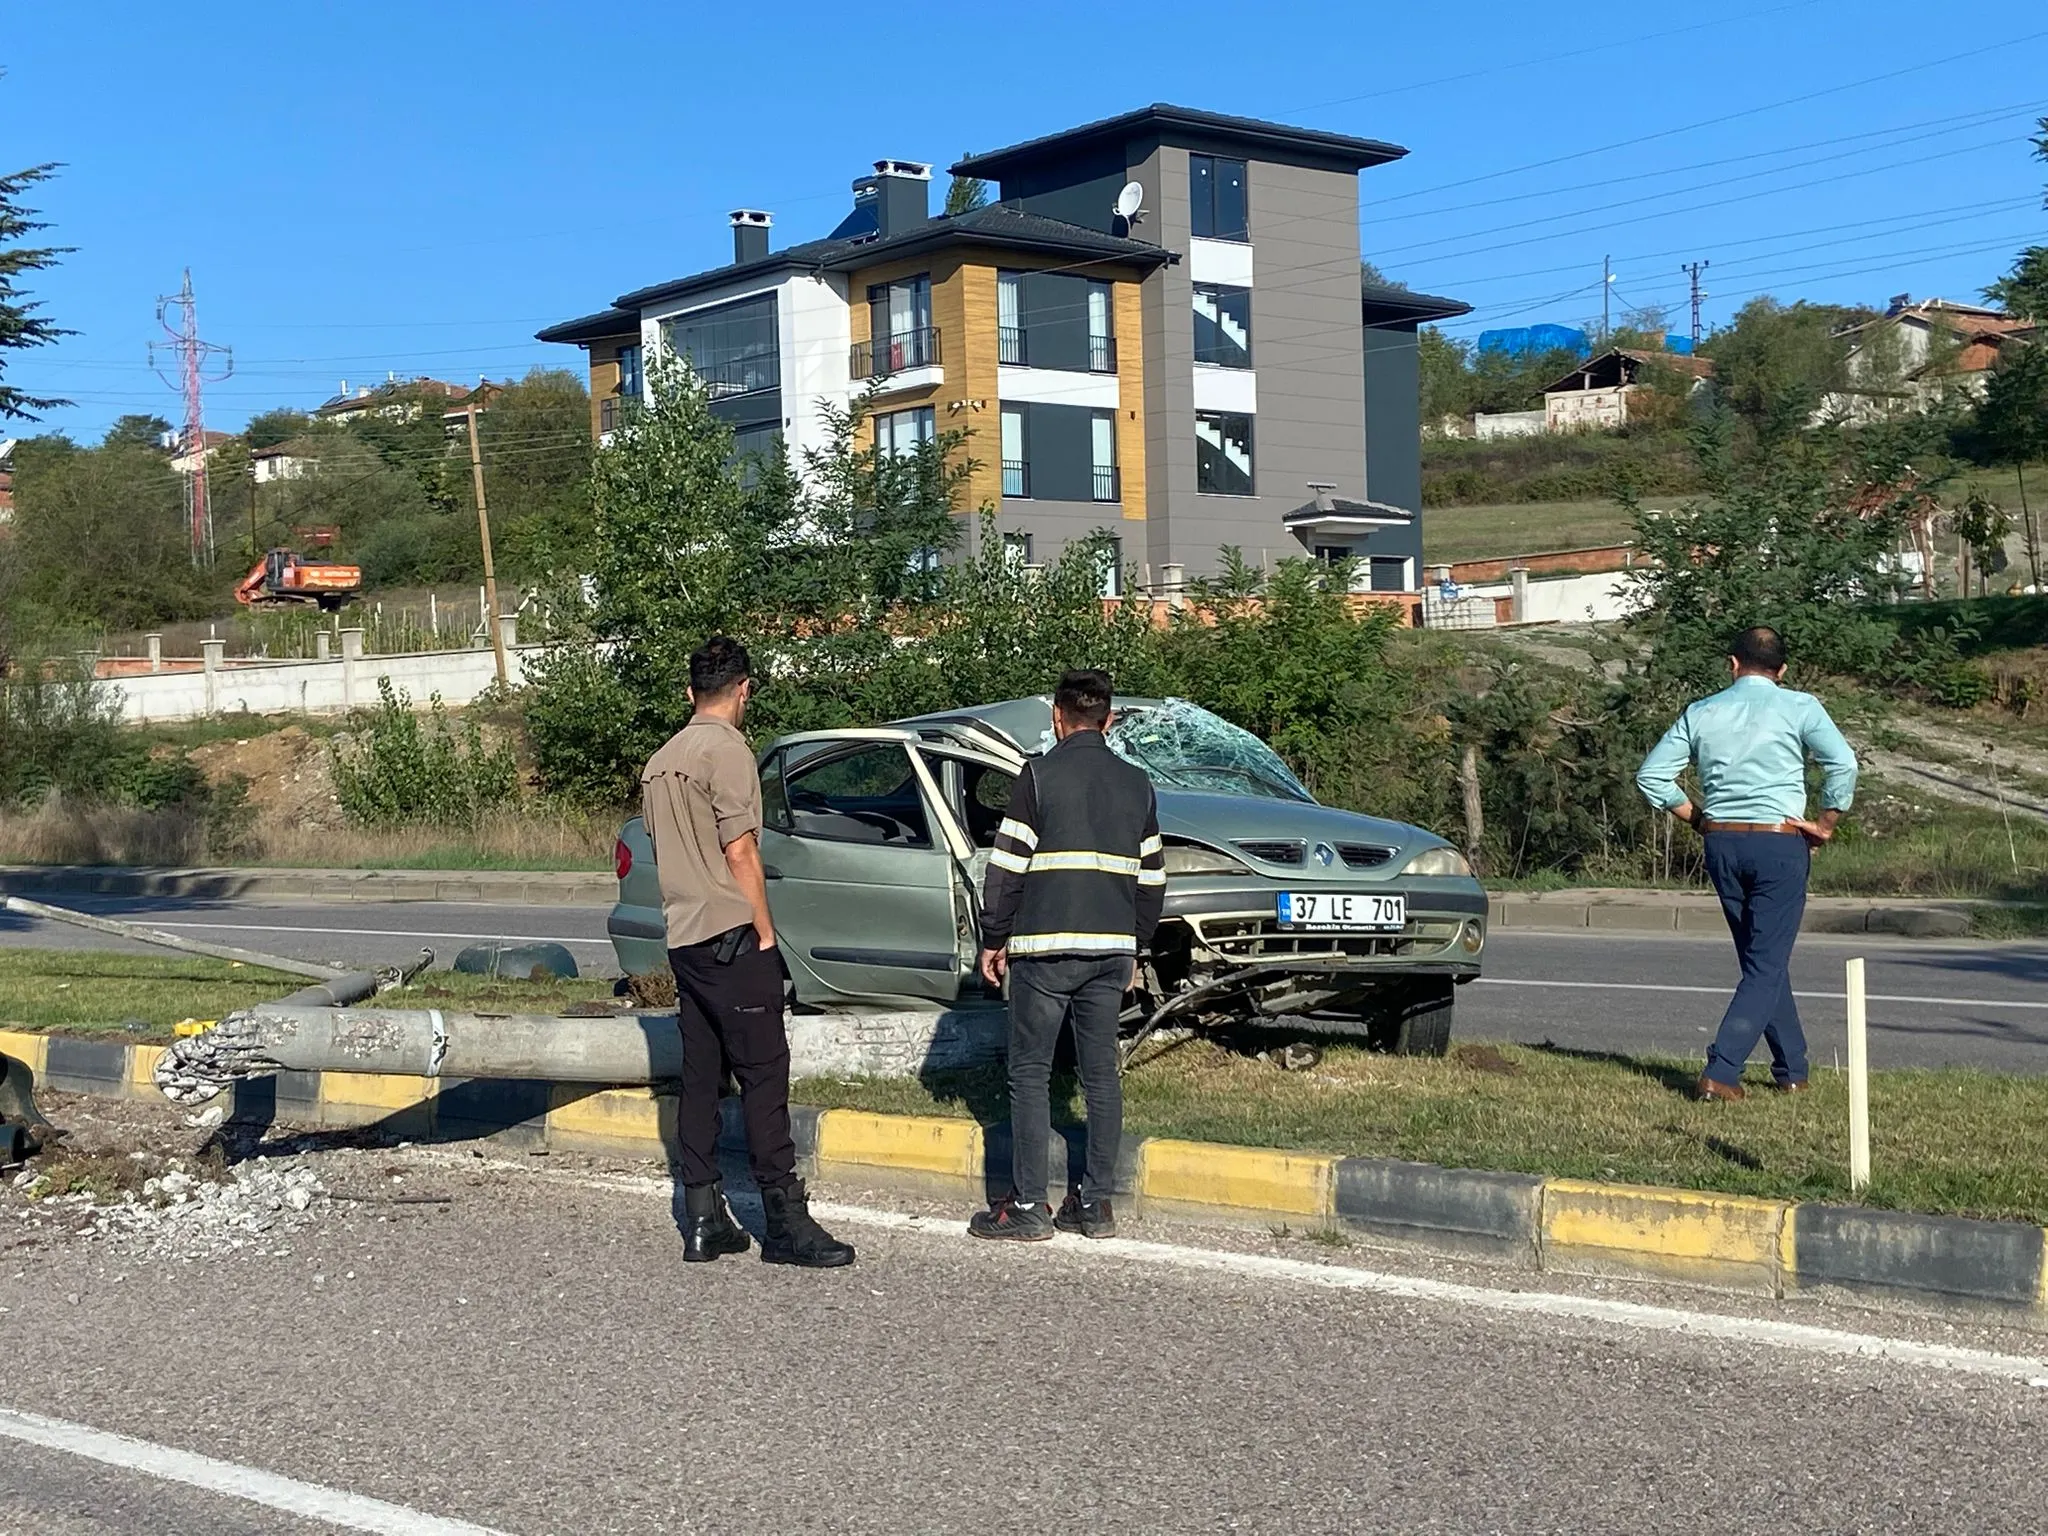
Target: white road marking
378, 933
349, 1511
1341, 1277
1661, 986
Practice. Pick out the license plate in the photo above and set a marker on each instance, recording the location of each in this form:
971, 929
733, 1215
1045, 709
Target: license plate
1323, 912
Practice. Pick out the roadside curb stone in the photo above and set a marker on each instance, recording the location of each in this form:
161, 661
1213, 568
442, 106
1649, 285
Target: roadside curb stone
551, 888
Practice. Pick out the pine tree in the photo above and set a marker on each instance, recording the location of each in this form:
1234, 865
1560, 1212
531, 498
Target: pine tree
20, 325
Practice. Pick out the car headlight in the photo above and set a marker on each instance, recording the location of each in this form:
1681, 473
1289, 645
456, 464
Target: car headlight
1183, 860
1437, 861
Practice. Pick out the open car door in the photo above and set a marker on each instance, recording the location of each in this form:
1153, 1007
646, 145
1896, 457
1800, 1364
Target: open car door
866, 869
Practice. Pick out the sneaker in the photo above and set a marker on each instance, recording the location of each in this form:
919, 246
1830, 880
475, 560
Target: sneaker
1090, 1218
1014, 1221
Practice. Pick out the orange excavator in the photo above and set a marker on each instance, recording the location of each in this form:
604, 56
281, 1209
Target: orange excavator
282, 579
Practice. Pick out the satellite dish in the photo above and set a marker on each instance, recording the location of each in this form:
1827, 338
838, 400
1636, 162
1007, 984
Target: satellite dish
1129, 200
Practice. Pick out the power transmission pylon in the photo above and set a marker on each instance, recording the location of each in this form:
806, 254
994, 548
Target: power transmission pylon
191, 358
1693, 271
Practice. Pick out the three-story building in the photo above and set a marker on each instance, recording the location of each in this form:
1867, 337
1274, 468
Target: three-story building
1160, 329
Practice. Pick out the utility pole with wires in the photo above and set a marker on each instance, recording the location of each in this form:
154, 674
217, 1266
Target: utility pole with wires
192, 360
1693, 271
483, 528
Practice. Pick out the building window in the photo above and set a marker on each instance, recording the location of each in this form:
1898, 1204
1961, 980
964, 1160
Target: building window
731, 348
632, 383
899, 432
1216, 193
1223, 454
1223, 325
1101, 333
1016, 451
900, 320
1017, 550
1113, 568
1009, 319
1102, 456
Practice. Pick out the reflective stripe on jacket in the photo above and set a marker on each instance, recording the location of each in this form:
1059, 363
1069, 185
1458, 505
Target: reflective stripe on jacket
1077, 867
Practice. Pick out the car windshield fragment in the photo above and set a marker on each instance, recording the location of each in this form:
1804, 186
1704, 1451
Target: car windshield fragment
1182, 746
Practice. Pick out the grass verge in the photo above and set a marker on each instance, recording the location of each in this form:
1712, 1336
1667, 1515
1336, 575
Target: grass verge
1488, 533
139, 997
1956, 1142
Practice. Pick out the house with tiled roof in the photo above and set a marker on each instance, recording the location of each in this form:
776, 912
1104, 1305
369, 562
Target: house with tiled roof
1158, 330
1915, 356
1595, 395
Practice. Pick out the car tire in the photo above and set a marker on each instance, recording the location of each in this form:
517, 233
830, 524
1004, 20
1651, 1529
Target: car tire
1417, 1021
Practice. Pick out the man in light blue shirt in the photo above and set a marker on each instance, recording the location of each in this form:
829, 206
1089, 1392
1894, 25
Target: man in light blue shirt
1750, 743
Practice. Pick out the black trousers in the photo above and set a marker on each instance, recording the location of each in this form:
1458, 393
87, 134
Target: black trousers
731, 1016
1044, 994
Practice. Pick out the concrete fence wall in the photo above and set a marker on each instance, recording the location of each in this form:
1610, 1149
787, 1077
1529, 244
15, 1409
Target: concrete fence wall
315, 686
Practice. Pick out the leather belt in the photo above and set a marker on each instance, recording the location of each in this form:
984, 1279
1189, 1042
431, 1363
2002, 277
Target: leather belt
1750, 826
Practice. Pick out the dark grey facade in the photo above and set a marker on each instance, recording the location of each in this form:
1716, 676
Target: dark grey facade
1332, 393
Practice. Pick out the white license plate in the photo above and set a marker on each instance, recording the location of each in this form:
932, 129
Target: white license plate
1324, 912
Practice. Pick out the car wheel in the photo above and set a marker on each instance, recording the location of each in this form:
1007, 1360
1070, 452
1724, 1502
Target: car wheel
1417, 1020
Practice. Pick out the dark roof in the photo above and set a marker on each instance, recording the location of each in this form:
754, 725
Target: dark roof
1385, 301
1011, 228
1698, 367
598, 327
1346, 509
1279, 141
998, 225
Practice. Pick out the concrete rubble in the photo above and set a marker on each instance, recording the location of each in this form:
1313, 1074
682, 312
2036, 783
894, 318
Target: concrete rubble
182, 1214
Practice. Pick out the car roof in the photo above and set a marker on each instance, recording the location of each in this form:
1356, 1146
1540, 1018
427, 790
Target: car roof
1027, 723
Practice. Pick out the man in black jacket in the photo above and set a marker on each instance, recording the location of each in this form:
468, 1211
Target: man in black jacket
1076, 881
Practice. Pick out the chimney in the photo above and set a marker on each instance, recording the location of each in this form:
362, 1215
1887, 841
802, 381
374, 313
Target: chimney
900, 192
750, 235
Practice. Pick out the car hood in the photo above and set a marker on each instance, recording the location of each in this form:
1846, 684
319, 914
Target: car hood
1219, 820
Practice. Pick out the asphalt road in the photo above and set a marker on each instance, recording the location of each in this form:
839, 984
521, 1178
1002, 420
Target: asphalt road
1932, 1003
530, 1356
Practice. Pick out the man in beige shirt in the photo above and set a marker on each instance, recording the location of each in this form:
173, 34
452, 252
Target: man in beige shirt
700, 797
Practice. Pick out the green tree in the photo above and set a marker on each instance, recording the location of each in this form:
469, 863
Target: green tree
2012, 427
267, 429
1778, 362
137, 432
21, 326
535, 441
1446, 384
964, 194
2024, 290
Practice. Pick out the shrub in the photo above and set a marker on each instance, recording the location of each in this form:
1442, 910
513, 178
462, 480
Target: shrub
403, 771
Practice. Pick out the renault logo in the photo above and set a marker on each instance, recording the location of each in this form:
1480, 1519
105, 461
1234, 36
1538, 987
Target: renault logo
1325, 855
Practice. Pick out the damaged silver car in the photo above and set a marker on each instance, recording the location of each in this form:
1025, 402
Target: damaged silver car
1279, 911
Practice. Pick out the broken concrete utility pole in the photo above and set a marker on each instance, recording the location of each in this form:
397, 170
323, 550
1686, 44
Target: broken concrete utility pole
612, 1050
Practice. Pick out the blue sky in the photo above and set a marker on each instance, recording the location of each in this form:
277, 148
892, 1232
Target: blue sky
376, 187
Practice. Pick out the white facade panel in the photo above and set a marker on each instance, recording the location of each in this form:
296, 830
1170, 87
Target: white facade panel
1058, 386
1228, 262
1226, 389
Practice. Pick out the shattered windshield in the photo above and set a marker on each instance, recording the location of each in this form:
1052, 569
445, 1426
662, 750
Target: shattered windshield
1182, 746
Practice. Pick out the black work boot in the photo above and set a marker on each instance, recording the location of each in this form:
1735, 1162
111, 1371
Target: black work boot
1090, 1218
794, 1238
1011, 1220
709, 1232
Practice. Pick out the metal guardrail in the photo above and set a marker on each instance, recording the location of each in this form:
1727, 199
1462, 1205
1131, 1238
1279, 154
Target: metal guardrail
903, 350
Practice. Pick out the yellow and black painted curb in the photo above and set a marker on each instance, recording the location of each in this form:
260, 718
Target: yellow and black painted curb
1570, 1226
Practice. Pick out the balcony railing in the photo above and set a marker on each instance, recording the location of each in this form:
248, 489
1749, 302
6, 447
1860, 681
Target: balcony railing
1109, 485
739, 375
895, 353
1016, 478
1010, 344
1102, 354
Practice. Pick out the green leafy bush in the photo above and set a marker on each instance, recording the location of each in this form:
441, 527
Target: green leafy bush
402, 770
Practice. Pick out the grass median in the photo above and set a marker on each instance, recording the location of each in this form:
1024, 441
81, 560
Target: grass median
140, 997
1957, 1142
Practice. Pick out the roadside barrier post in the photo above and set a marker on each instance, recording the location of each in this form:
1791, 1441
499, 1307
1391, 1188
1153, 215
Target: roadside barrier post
210, 654
1859, 1080
156, 652
351, 653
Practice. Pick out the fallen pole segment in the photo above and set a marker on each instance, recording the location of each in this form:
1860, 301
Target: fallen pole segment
23, 907
619, 1050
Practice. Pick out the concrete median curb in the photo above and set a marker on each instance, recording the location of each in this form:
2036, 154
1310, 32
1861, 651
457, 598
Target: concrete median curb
1647, 911
1765, 1247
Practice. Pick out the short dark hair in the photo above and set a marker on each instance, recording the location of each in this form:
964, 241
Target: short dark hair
1759, 648
718, 666
1083, 697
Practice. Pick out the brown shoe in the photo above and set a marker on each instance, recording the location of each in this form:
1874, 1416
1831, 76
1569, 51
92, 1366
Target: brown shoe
1727, 1093
1799, 1087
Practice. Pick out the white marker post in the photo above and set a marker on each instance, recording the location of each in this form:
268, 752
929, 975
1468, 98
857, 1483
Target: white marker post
1859, 1080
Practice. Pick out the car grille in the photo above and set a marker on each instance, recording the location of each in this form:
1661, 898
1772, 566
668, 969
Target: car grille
1278, 851
1364, 855
1249, 936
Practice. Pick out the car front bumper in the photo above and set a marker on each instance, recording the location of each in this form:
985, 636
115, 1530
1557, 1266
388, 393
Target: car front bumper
1234, 924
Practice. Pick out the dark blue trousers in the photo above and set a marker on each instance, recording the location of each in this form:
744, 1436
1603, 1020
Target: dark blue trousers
1761, 878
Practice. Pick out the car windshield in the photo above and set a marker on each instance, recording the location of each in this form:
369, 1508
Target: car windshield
1182, 746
